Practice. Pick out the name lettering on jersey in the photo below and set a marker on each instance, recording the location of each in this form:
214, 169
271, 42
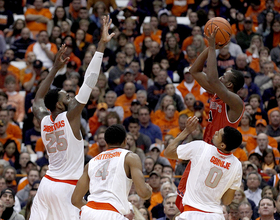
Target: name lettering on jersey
220, 163
215, 105
57, 125
107, 156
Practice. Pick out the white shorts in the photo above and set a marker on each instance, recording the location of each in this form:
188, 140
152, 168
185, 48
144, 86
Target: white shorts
93, 214
53, 202
194, 215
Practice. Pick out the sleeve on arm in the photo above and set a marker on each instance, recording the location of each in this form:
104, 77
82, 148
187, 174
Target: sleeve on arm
237, 181
189, 150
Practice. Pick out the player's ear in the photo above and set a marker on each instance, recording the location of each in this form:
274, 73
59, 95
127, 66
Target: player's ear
223, 146
59, 105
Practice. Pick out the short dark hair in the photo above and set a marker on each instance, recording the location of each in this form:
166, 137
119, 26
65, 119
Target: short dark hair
232, 138
266, 197
237, 79
115, 134
51, 99
133, 121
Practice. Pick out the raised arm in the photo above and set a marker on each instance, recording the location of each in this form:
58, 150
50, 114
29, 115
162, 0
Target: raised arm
196, 71
133, 165
90, 79
231, 99
171, 150
39, 108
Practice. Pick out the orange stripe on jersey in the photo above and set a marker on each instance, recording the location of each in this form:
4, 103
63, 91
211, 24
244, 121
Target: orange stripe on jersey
72, 182
188, 208
101, 206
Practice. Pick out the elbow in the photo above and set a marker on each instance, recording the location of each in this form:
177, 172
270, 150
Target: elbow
74, 201
226, 202
146, 195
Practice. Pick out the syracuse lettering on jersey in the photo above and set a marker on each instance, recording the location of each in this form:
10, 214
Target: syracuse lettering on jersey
215, 105
107, 156
57, 125
220, 163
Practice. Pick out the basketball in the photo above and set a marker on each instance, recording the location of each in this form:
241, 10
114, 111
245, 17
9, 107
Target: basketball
224, 33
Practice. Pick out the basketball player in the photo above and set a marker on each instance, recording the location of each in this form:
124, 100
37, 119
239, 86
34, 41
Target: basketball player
226, 107
59, 116
215, 173
108, 177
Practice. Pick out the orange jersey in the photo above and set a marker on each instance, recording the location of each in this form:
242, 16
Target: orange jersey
179, 6
218, 118
34, 25
246, 134
240, 154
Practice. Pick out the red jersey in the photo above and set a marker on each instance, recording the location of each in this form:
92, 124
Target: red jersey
218, 118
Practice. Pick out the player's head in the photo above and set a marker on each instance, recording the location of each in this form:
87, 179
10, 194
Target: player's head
115, 135
57, 99
227, 139
236, 78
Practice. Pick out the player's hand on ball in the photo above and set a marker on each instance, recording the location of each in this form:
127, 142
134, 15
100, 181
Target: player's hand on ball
211, 37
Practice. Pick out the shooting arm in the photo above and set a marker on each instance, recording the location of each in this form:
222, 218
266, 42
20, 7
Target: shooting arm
197, 68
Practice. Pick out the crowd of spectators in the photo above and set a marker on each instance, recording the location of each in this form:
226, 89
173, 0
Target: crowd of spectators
144, 84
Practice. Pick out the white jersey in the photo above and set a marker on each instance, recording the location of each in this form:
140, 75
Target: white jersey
212, 173
108, 180
65, 151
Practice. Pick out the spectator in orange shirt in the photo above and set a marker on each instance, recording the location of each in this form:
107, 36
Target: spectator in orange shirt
180, 8
43, 49
245, 129
182, 124
154, 182
72, 11
66, 29
12, 128
189, 83
189, 40
14, 98
147, 31
37, 17
4, 137
98, 119
84, 25
4, 72
255, 8
154, 26
108, 4
169, 120
31, 79
99, 146
126, 99
70, 52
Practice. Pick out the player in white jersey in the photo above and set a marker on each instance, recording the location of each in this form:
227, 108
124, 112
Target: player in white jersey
215, 173
59, 116
108, 177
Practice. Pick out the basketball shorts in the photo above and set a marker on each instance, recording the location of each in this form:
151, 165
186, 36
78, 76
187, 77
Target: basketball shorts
53, 202
194, 215
93, 214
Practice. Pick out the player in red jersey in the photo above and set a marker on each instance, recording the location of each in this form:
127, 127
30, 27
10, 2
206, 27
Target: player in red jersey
226, 107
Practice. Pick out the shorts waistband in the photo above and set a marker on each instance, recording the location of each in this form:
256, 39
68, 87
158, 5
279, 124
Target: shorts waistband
72, 182
101, 206
188, 208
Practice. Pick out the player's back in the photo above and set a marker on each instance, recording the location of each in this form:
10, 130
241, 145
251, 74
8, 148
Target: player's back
65, 151
218, 118
212, 174
108, 180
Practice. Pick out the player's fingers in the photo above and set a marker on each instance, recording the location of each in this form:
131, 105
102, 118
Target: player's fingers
110, 21
112, 35
66, 60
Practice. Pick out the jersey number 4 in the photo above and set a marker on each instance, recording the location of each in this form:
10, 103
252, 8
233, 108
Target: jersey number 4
61, 143
214, 177
103, 171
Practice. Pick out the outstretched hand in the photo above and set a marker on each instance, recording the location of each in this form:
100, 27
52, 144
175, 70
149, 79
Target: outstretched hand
191, 125
106, 23
211, 37
59, 62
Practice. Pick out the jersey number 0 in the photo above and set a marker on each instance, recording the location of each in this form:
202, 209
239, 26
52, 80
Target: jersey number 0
213, 178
